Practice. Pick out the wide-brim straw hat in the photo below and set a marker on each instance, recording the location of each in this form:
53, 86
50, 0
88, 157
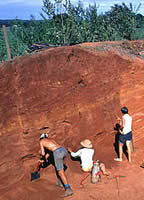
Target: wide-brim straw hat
86, 143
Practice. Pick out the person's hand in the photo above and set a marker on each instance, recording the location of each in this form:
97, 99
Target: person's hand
118, 118
41, 161
121, 130
107, 173
69, 149
46, 156
39, 152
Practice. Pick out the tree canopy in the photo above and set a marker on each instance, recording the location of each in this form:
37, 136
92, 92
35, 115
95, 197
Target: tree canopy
63, 23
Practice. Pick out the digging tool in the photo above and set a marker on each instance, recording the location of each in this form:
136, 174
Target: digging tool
118, 184
117, 178
113, 177
36, 174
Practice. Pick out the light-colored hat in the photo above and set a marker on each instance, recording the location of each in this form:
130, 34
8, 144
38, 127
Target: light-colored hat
43, 135
86, 143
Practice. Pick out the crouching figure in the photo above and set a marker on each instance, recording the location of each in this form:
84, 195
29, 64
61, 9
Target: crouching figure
86, 154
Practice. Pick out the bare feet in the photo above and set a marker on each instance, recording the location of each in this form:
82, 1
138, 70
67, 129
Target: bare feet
118, 159
107, 173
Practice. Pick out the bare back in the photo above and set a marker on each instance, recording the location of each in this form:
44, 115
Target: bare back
48, 144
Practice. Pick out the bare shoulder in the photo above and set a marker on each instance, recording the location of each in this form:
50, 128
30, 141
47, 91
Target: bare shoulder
49, 144
45, 141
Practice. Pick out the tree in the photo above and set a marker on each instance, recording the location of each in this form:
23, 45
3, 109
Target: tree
122, 19
60, 21
53, 17
64, 23
3, 51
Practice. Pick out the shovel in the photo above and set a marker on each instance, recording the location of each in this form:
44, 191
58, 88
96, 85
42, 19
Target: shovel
35, 175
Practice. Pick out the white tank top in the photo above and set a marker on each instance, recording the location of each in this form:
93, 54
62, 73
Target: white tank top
128, 123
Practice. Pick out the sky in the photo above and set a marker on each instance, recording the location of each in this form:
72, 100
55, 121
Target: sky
22, 9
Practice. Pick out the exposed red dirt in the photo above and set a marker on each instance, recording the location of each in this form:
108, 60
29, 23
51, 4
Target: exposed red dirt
73, 93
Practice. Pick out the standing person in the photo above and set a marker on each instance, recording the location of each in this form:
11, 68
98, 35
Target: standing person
59, 154
125, 134
86, 154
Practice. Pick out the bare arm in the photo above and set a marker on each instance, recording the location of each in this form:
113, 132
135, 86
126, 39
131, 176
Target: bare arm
120, 121
75, 154
69, 150
123, 122
94, 156
122, 125
44, 158
42, 149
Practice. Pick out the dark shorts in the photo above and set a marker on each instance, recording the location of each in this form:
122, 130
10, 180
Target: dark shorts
126, 137
59, 156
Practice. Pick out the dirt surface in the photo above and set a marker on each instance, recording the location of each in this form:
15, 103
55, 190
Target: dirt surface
73, 93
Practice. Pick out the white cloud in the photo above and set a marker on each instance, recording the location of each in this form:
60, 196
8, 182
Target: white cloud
25, 2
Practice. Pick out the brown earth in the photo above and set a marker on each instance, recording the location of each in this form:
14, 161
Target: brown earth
72, 93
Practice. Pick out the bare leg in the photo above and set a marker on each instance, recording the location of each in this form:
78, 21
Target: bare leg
68, 191
120, 151
62, 176
59, 183
128, 144
103, 169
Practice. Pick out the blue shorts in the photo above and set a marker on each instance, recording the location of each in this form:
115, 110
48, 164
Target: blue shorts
126, 137
59, 156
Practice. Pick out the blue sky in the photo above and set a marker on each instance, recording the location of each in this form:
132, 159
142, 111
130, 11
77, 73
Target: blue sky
22, 9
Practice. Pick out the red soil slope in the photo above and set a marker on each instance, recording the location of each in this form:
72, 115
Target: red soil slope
73, 93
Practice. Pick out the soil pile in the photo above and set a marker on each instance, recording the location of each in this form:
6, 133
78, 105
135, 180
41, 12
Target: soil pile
73, 93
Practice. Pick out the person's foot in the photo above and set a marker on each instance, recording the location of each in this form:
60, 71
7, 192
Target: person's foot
118, 159
129, 160
68, 192
107, 173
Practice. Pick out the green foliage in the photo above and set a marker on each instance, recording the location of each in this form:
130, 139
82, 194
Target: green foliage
139, 34
63, 23
122, 19
3, 51
140, 21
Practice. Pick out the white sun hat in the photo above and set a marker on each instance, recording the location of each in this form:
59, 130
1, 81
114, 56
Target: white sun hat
86, 143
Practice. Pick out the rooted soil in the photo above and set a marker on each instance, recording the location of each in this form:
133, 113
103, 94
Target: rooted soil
73, 93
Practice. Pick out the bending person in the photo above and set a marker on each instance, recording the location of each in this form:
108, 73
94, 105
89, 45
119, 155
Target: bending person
59, 154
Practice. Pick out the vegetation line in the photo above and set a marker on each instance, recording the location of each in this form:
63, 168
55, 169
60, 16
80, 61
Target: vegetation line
65, 24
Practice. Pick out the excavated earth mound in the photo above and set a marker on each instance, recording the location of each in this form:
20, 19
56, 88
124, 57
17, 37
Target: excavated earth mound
72, 93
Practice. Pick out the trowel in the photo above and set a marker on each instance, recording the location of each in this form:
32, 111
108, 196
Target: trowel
36, 174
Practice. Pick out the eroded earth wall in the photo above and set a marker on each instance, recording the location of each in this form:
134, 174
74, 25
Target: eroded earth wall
71, 92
